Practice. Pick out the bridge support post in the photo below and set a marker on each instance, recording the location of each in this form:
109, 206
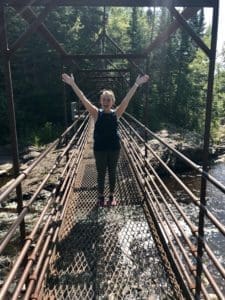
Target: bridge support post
65, 105
12, 118
64, 98
212, 60
146, 95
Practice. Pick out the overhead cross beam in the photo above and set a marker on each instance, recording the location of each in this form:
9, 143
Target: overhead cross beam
35, 22
103, 70
124, 3
104, 77
104, 56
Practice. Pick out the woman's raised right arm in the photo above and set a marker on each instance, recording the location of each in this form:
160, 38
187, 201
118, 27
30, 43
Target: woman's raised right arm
92, 109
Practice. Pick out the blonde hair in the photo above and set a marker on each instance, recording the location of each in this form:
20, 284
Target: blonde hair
108, 93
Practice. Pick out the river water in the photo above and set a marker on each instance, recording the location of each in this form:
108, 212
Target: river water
215, 204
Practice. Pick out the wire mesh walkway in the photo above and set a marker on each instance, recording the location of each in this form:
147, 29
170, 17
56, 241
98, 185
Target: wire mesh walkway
106, 252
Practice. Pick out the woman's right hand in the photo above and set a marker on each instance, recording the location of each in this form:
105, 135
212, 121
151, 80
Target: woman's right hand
68, 79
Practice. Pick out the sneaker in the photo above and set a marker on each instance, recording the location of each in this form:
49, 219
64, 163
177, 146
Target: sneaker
101, 201
112, 201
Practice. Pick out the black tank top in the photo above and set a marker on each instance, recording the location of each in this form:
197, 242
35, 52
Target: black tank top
106, 136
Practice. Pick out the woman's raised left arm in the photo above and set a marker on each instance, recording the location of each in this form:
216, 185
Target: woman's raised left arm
123, 105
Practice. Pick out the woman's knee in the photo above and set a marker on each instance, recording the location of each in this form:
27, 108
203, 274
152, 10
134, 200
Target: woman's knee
100, 161
113, 160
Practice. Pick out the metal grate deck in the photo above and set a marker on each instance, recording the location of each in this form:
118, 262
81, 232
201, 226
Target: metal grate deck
106, 253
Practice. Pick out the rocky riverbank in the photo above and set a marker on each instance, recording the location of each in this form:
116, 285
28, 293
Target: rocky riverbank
8, 209
26, 155
188, 143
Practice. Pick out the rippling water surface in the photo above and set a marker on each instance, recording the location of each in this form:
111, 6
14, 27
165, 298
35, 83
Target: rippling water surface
215, 204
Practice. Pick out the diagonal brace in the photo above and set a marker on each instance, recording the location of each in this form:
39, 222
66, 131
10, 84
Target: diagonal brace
165, 35
36, 23
130, 60
187, 27
29, 15
94, 43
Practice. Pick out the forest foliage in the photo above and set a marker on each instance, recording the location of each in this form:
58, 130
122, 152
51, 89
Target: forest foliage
178, 70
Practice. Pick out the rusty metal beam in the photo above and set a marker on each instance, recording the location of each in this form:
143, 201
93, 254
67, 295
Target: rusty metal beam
104, 70
29, 15
12, 117
165, 35
191, 32
128, 3
104, 80
104, 56
208, 117
93, 44
104, 77
32, 28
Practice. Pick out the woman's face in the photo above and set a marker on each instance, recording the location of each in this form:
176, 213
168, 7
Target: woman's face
106, 102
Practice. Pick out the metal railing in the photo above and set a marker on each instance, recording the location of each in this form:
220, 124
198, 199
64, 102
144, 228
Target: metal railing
30, 265
177, 227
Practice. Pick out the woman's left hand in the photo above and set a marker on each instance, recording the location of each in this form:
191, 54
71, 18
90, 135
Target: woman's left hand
142, 79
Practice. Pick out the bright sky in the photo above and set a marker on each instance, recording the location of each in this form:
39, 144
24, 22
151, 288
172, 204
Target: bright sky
221, 26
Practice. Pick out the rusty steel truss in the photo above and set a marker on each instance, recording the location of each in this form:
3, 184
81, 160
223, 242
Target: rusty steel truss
36, 23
